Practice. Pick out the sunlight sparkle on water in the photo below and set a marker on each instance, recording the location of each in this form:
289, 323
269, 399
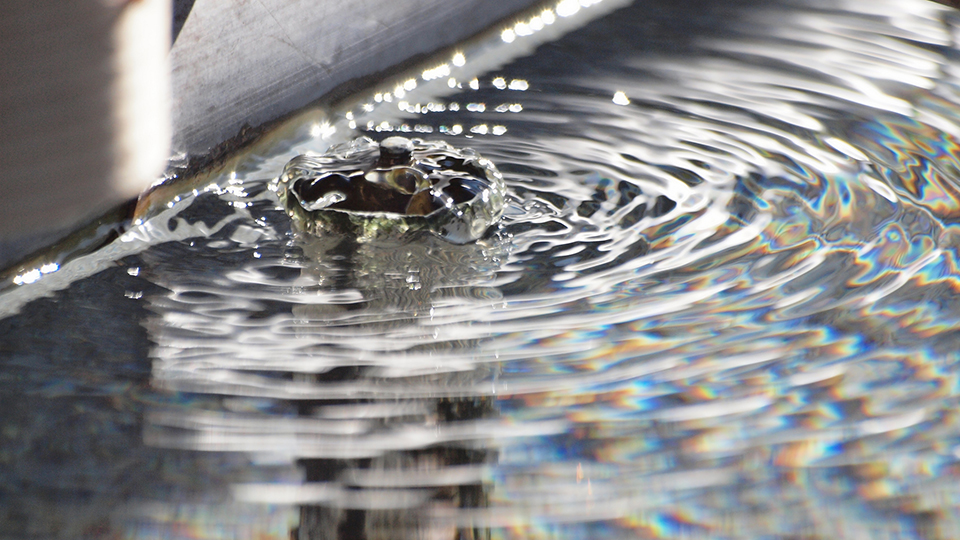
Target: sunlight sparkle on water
722, 302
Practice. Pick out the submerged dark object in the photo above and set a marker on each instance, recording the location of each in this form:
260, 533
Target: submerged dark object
369, 189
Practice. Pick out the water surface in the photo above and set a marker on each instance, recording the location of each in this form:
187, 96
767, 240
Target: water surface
722, 303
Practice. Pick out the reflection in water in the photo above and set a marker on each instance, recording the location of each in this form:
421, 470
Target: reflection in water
357, 319
721, 303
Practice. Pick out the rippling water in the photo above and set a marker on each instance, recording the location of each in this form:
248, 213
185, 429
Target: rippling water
722, 303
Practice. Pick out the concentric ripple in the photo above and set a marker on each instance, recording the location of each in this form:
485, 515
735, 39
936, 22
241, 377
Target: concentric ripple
721, 303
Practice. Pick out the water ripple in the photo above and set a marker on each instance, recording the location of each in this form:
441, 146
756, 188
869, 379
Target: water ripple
721, 302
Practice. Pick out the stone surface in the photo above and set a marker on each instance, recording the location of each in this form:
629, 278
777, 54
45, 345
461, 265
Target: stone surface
250, 61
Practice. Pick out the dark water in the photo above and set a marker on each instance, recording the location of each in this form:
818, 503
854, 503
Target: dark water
722, 303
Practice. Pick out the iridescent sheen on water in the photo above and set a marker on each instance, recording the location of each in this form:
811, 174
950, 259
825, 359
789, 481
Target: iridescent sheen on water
721, 302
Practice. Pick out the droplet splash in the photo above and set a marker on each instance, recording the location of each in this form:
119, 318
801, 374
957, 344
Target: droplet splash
368, 190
